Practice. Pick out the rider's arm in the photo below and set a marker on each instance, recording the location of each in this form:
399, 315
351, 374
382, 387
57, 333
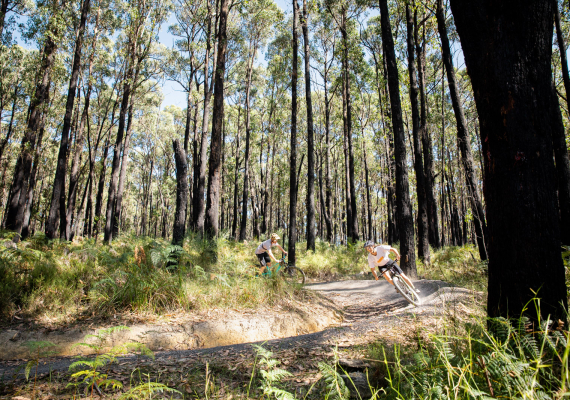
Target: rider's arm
393, 250
271, 255
281, 248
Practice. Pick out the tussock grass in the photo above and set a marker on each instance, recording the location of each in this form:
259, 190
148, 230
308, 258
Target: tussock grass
331, 261
460, 266
57, 281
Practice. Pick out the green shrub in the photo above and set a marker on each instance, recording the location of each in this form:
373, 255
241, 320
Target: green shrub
512, 360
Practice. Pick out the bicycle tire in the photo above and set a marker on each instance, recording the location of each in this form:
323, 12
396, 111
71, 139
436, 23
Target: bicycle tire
406, 291
293, 274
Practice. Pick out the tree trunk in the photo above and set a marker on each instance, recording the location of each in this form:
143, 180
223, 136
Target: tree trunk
292, 227
19, 188
23, 230
422, 218
462, 136
57, 208
123, 175
404, 208
179, 228
11, 124
213, 199
368, 203
115, 171
508, 57
200, 208
348, 130
243, 223
429, 179
101, 188
236, 186
310, 136
559, 141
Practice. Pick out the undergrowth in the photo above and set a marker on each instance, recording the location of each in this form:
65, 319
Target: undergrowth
511, 359
59, 281
459, 265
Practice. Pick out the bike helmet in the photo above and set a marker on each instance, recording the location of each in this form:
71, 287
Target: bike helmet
369, 243
275, 236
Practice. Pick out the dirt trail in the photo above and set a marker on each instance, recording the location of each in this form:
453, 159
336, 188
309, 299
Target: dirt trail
372, 310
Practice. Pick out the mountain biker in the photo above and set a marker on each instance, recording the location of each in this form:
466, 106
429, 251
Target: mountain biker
379, 256
264, 254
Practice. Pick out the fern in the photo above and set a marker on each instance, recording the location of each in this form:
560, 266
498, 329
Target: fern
272, 376
334, 384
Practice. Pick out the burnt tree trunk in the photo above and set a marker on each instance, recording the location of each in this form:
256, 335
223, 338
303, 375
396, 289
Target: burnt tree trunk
179, 228
559, 140
404, 207
310, 136
508, 53
292, 227
422, 217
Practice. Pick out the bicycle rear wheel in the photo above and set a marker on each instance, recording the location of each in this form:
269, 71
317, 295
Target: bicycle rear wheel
406, 291
293, 274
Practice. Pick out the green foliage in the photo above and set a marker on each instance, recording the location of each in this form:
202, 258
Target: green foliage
90, 376
59, 281
146, 391
330, 260
508, 360
458, 265
38, 349
335, 387
271, 375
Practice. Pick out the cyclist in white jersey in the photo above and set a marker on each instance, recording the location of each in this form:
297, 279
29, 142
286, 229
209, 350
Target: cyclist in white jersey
379, 257
264, 254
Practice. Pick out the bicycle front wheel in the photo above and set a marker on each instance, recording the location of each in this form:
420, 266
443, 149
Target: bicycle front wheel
293, 274
406, 291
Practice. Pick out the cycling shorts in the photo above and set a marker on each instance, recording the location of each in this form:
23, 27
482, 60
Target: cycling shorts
263, 258
389, 265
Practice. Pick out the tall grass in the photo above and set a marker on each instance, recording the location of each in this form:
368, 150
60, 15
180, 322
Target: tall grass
59, 281
459, 265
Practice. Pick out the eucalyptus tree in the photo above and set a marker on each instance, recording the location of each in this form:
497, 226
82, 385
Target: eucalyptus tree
310, 134
213, 199
508, 57
142, 21
293, 188
325, 40
462, 135
422, 218
45, 27
343, 13
404, 208
58, 206
255, 16
210, 22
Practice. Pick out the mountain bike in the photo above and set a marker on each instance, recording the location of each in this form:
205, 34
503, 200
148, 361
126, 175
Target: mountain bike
403, 287
289, 273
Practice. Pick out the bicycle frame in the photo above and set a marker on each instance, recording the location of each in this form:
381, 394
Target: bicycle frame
269, 273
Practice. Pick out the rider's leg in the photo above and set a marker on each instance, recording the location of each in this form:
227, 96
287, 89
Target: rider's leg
409, 282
